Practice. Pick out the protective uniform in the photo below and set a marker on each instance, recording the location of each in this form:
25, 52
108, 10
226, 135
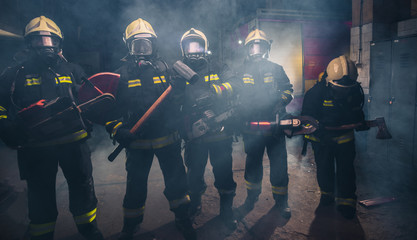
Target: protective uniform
207, 98
143, 78
334, 101
266, 91
47, 76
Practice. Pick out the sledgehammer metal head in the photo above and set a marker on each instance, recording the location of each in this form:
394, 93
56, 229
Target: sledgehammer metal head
186, 72
383, 132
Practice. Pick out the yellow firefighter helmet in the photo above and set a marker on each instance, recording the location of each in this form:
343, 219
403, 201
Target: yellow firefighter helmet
256, 35
341, 67
193, 34
43, 24
257, 45
139, 26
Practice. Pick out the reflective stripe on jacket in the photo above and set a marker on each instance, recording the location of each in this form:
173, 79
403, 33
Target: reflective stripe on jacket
156, 142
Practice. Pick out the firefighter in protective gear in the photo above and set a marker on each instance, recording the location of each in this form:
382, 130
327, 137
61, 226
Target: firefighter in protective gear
143, 78
207, 98
266, 92
45, 75
334, 101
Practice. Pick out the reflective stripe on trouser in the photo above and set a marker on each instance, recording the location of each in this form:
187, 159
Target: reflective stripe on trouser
41, 229
326, 193
224, 191
133, 213
346, 201
253, 186
138, 165
86, 218
173, 204
280, 190
156, 142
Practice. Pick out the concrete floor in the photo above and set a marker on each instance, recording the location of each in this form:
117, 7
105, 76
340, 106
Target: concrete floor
396, 220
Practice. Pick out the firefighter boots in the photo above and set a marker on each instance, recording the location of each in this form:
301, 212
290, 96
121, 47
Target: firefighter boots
226, 211
130, 227
90, 231
250, 201
281, 203
185, 226
183, 222
326, 200
346, 211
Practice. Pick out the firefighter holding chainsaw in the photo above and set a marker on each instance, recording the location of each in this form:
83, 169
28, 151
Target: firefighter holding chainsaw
334, 101
30, 94
207, 109
143, 78
266, 92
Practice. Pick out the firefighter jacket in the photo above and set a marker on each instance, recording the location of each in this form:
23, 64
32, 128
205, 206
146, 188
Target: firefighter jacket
215, 90
320, 103
33, 80
139, 88
266, 90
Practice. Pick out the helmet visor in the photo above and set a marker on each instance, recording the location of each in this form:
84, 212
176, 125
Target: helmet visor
38, 41
257, 49
194, 46
141, 47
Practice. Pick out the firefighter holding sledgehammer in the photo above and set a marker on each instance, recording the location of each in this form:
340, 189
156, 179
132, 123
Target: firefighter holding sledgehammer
144, 79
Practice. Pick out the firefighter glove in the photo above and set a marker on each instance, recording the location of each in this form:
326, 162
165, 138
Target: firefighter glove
177, 82
124, 136
112, 126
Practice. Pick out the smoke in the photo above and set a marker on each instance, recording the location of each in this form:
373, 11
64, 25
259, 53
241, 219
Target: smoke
171, 20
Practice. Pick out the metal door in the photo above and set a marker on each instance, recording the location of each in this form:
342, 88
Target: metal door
403, 110
378, 102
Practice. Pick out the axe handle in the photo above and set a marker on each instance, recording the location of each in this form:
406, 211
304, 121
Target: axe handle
369, 123
151, 110
140, 122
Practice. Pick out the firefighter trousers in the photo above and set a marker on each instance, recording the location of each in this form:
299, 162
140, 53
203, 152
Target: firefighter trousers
336, 171
277, 153
196, 156
39, 166
138, 165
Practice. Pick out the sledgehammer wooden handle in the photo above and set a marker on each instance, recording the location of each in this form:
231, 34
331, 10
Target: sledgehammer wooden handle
140, 122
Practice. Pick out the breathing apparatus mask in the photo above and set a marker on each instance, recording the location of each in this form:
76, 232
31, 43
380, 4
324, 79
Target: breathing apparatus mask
141, 48
194, 51
45, 45
257, 50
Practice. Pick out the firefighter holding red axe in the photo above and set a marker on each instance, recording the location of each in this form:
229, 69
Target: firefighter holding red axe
335, 101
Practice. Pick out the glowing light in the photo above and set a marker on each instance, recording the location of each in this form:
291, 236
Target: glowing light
240, 42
